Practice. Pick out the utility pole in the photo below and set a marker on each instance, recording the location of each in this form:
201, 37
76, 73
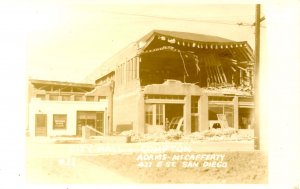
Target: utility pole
256, 69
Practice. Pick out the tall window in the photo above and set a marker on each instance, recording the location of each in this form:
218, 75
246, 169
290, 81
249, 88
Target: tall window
149, 114
159, 114
194, 106
154, 114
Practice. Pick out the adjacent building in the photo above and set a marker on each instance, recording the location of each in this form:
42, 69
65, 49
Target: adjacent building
62, 108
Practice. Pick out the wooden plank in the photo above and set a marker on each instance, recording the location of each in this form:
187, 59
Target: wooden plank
203, 58
235, 55
242, 51
210, 69
209, 74
217, 70
212, 79
223, 120
214, 74
219, 73
223, 73
249, 52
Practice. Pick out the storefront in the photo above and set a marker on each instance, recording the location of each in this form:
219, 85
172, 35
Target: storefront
65, 118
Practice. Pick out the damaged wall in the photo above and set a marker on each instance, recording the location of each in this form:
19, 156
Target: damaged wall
206, 68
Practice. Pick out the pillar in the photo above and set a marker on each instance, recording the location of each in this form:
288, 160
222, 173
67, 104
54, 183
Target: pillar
72, 98
110, 113
235, 112
187, 114
203, 113
199, 114
47, 97
141, 114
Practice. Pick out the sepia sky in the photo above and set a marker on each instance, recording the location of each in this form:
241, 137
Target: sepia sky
67, 41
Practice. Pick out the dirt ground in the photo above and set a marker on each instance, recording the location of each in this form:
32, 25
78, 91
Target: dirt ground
242, 168
69, 171
49, 163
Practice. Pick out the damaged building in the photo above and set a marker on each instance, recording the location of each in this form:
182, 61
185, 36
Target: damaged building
176, 80
165, 80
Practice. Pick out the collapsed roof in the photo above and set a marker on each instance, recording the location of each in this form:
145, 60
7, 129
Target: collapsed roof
195, 58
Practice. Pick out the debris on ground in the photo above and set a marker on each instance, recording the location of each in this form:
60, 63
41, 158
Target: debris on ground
223, 134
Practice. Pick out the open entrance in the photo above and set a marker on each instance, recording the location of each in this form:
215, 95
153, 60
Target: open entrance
220, 114
160, 117
95, 119
174, 116
246, 118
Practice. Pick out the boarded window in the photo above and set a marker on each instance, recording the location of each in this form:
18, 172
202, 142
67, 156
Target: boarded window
59, 121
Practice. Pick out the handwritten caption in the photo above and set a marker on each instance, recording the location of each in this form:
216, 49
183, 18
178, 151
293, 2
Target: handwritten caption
148, 160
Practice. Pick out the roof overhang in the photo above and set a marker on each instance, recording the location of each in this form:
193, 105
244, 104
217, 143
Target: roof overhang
60, 83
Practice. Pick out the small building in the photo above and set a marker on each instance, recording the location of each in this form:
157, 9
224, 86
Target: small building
62, 108
171, 77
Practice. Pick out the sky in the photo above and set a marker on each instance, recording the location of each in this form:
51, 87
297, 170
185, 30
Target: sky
67, 41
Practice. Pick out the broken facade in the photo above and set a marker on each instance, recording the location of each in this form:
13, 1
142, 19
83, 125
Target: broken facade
179, 80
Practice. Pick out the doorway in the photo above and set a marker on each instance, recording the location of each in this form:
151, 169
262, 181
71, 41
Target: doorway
173, 115
246, 118
95, 119
40, 124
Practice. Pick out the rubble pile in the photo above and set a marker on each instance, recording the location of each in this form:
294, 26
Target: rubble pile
171, 135
219, 132
129, 133
195, 136
241, 90
225, 134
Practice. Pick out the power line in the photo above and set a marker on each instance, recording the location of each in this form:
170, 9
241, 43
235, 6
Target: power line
182, 19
